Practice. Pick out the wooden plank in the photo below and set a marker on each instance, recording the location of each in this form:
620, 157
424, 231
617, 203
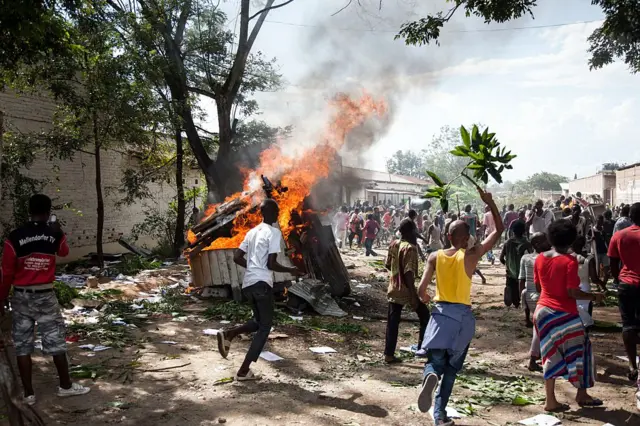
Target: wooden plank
233, 271
224, 268
214, 266
196, 271
206, 272
240, 270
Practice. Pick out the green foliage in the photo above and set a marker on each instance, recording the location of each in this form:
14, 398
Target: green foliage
131, 265
484, 158
487, 392
426, 30
616, 38
101, 294
319, 323
406, 163
64, 293
542, 180
240, 312
161, 224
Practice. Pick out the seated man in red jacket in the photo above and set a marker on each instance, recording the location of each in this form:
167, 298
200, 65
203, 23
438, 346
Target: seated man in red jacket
29, 265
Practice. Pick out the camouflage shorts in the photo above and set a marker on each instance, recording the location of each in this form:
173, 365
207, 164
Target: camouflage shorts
42, 309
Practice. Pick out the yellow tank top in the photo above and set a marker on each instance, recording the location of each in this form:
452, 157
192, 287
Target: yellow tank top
453, 285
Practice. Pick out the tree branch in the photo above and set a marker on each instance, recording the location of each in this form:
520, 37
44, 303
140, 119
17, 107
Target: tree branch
342, 8
182, 22
202, 92
266, 9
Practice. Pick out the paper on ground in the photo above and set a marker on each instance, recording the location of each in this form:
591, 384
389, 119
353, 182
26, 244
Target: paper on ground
210, 332
541, 420
101, 348
608, 424
270, 356
322, 350
407, 349
225, 322
358, 318
452, 413
363, 286
296, 318
169, 342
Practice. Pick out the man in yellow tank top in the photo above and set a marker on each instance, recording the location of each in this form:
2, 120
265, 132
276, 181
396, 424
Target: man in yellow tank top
452, 325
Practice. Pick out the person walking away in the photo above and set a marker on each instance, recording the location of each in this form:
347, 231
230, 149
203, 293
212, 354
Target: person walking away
488, 226
258, 254
564, 342
511, 255
340, 221
371, 229
588, 273
29, 266
625, 249
510, 216
402, 262
530, 293
600, 247
355, 226
413, 215
624, 221
434, 238
540, 218
470, 219
452, 325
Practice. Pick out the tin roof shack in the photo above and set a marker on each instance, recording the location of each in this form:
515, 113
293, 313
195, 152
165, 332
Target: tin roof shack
378, 187
627, 189
600, 185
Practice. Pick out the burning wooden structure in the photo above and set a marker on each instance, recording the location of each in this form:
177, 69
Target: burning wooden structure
310, 246
298, 168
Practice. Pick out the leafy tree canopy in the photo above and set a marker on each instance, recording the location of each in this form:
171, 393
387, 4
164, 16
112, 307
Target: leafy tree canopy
616, 38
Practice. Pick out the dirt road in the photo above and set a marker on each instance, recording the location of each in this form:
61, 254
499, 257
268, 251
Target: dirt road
350, 387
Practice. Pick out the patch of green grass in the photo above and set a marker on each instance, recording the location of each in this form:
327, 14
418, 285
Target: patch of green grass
131, 265
317, 323
487, 392
64, 293
241, 312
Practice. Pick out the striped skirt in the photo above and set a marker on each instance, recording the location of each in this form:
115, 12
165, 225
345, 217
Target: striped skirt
565, 347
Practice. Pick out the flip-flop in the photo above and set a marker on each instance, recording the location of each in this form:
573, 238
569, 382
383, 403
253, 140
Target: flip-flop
223, 344
559, 409
248, 378
595, 402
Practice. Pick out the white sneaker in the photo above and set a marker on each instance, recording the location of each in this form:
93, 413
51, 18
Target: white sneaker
75, 390
29, 400
638, 400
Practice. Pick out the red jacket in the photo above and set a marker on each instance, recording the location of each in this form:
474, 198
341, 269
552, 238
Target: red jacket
29, 256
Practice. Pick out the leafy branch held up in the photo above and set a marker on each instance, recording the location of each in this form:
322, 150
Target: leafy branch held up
486, 158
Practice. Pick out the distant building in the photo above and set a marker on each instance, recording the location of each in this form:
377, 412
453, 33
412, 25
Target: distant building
547, 195
627, 187
378, 187
599, 186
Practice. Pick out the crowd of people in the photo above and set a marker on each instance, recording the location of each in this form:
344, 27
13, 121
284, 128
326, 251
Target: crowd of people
552, 256
555, 255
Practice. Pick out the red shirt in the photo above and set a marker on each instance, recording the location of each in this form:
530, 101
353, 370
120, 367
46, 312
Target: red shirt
370, 229
556, 275
29, 256
625, 245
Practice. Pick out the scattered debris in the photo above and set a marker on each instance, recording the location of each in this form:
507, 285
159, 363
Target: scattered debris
541, 420
318, 295
169, 342
223, 381
452, 413
363, 286
322, 350
210, 332
270, 356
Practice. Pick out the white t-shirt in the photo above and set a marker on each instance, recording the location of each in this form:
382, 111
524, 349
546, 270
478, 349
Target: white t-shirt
258, 244
542, 222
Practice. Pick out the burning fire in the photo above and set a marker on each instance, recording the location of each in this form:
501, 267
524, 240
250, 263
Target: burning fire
299, 173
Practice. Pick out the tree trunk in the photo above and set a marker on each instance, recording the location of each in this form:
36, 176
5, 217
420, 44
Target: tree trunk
99, 196
178, 240
224, 167
1, 148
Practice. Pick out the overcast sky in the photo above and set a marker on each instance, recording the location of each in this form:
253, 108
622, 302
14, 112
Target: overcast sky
531, 86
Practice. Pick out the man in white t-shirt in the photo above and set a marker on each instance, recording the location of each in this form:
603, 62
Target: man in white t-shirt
539, 219
258, 254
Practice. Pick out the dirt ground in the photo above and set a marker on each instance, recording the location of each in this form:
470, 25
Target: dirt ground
350, 387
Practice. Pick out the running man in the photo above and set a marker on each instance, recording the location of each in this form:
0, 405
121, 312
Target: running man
452, 325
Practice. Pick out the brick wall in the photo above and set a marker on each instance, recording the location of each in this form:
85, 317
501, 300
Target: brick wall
74, 181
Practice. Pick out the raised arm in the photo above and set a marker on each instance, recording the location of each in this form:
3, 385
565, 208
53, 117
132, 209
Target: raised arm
487, 244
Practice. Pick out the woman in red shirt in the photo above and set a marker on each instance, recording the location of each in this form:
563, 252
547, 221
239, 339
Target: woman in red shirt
564, 342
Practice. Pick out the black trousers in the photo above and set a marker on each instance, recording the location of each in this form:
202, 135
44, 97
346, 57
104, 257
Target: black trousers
260, 296
393, 325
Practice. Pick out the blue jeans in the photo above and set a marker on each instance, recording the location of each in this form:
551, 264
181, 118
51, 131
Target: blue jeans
490, 256
445, 363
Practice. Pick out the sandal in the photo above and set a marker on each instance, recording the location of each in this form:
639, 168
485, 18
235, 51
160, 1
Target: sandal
223, 344
594, 402
559, 409
248, 378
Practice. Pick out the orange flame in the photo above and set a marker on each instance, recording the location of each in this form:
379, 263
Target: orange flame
299, 173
